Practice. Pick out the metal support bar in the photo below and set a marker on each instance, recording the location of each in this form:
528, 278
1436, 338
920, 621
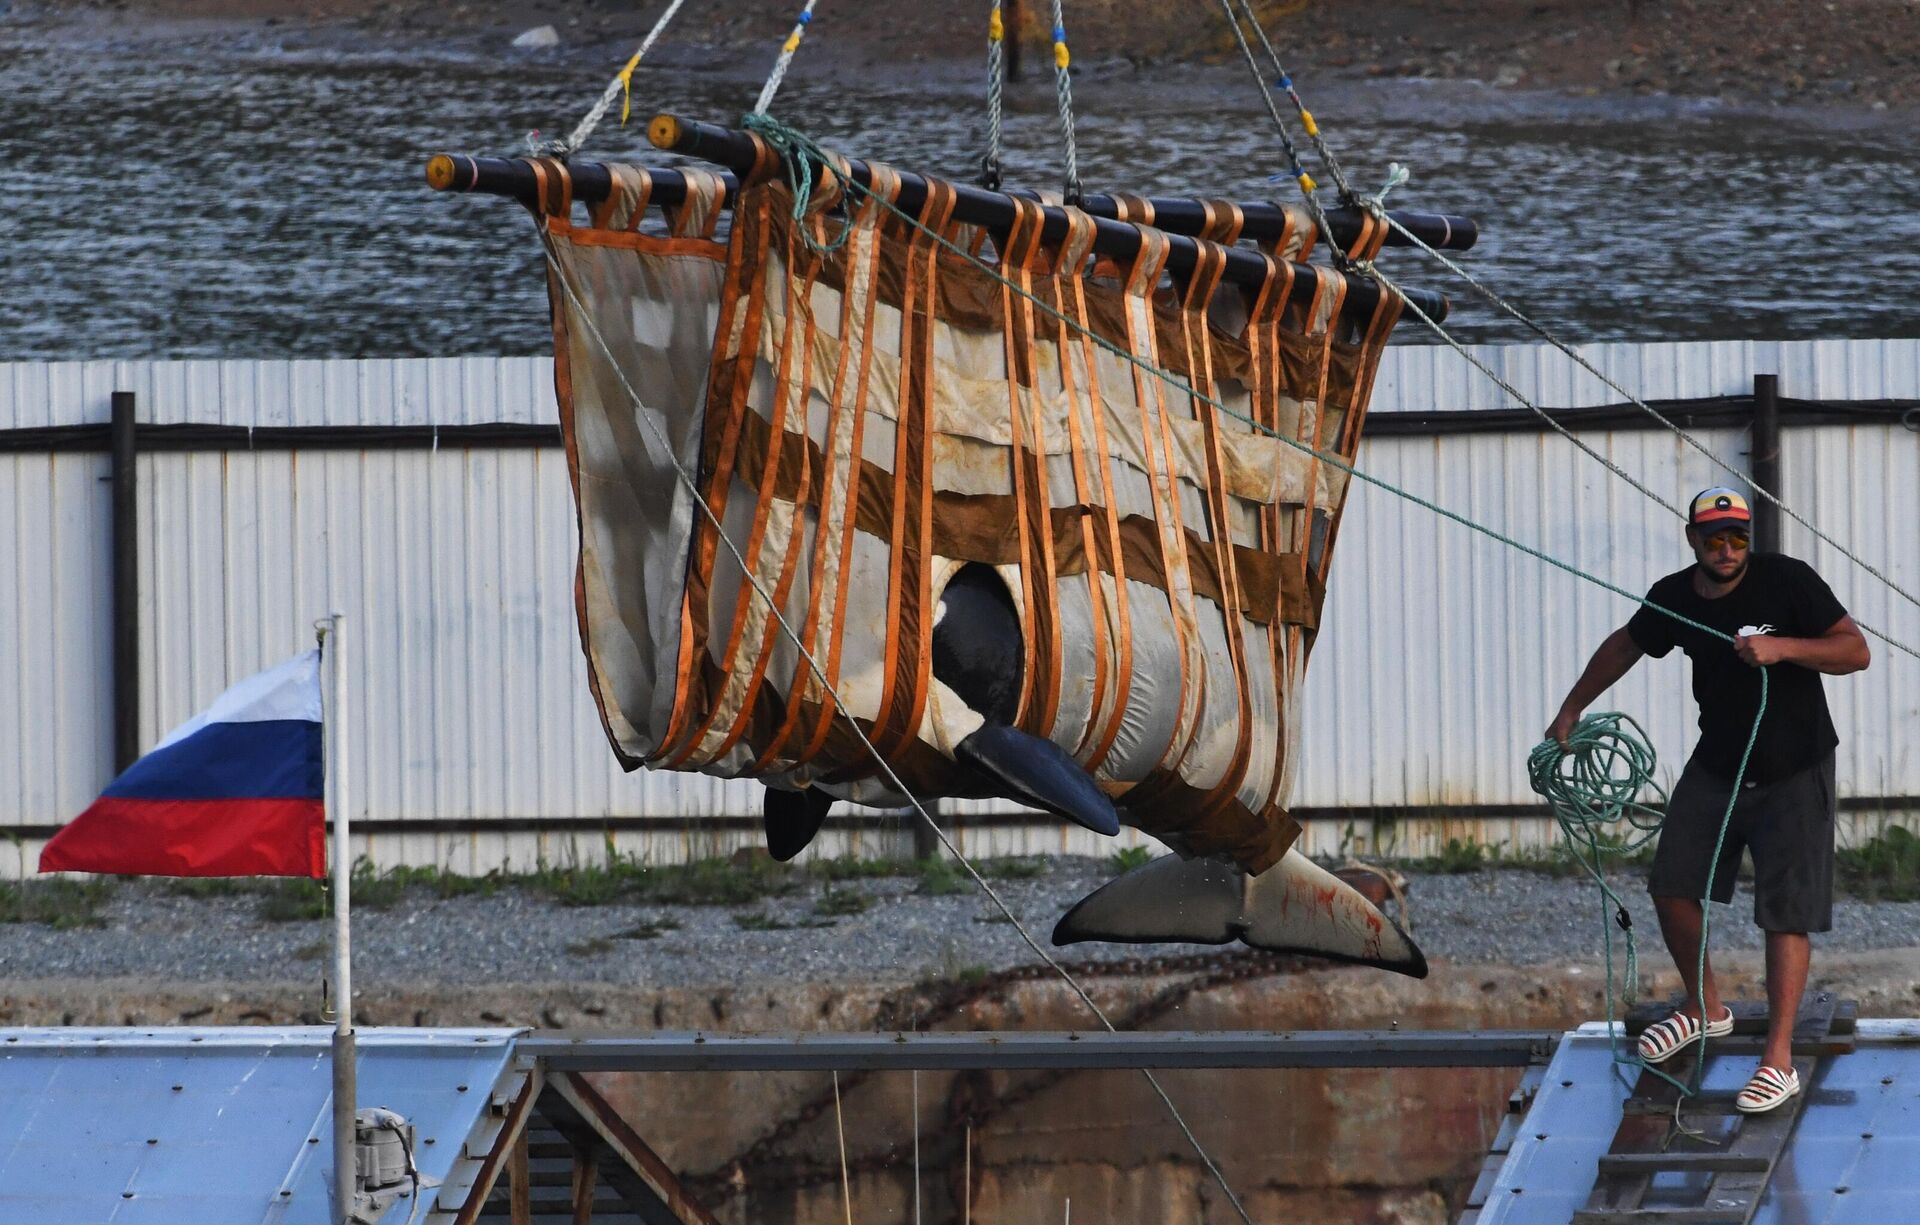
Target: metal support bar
973, 205
1764, 460
694, 1051
126, 582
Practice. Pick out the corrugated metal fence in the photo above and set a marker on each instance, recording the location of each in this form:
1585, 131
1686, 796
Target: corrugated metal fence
476, 741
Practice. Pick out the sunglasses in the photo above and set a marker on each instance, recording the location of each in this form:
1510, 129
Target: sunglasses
1734, 537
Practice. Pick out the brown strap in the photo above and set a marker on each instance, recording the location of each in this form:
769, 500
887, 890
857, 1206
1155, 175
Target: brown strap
629, 193
698, 213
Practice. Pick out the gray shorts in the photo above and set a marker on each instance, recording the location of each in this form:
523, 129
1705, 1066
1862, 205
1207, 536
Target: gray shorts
1788, 825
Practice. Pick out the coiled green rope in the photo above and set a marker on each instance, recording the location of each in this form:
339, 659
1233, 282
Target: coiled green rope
1594, 787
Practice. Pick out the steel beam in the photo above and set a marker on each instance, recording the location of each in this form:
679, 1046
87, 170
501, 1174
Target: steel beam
694, 1051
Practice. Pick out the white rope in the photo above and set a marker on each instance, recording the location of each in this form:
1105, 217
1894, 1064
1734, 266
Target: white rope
1540, 330
996, 78
1306, 117
1398, 174
620, 87
1612, 467
787, 49
892, 778
1300, 175
1063, 91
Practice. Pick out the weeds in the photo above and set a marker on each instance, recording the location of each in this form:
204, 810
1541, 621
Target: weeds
1127, 858
294, 901
939, 878
1886, 868
1016, 867
837, 902
652, 929
761, 921
61, 904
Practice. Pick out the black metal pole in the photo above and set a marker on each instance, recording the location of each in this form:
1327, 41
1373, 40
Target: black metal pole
724, 147
126, 584
1764, 460
975, 206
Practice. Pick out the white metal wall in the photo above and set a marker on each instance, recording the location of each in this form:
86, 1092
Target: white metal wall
1445, 656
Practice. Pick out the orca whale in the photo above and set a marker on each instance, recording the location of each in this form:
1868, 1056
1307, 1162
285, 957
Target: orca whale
978, 656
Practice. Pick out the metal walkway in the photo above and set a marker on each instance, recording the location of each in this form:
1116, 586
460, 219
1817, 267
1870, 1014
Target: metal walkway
1705, 1162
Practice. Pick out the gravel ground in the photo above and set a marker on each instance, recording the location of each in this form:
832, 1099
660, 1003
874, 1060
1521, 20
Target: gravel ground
1506, 916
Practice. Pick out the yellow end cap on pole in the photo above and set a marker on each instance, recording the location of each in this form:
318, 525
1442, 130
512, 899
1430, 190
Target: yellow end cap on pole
440, 172
1060, 56
664, 132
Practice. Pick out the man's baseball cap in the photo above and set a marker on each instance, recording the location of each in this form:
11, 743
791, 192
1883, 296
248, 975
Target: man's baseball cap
1717, 508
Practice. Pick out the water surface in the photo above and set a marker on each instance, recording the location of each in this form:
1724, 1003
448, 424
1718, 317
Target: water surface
255, 202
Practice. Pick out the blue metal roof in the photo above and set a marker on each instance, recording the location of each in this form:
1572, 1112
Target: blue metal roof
1854, 1155
166, 1126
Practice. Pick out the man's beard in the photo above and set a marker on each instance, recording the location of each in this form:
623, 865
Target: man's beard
1733, 577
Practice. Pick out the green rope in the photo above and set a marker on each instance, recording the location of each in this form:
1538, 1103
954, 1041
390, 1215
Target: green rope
798, 147
1593, 788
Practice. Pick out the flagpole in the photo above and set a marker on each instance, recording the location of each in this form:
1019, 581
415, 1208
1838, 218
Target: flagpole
345, 1095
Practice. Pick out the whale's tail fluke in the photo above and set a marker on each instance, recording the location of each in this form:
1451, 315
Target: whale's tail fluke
1296, 906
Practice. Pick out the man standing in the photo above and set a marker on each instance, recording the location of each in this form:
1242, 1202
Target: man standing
1782, 618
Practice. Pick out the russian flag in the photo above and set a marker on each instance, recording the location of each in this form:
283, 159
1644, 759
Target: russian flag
235, 791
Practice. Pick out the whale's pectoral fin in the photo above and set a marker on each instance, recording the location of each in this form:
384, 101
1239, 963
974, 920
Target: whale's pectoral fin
792, 819
1040, 773
1296, 906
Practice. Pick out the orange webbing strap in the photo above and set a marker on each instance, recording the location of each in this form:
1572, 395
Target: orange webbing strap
1209, 266
1157, 451
1112, 648
1294, 242
885, 190
1386, 313
1222, 221
627, 197
1265, 383
1322, 324
829, 569
909, 656
790, 405
1372, 236
743, 300
1033, 506
553, 187
698, 214
1134, 210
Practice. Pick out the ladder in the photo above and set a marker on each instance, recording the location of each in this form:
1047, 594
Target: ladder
1723, 1177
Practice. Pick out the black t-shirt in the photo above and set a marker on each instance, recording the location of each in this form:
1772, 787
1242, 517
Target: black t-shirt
1779, 595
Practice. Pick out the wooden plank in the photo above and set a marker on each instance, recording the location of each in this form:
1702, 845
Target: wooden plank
1750, 1016
519, 1190
1656, 1216
1759, 1135
1686, 1163
495, 1161
585, 1171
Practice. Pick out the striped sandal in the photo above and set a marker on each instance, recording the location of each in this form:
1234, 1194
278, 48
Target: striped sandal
1768, 1088
1658, 1043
